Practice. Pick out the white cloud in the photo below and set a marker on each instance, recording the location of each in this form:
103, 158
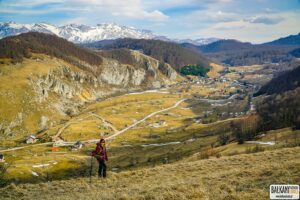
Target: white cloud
264, 20
255, 32
31, 3
131, 9
124, 8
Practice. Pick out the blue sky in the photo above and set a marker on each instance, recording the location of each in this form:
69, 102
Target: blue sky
246, 20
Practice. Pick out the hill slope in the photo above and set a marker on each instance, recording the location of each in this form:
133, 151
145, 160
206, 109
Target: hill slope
53, 79
295, 52
18, 47
235, 177
168, 52
289, 80
225, 45
281, 108
289, 40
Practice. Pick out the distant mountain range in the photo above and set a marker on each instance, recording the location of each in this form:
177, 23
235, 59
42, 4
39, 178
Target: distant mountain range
87, 34
78, 33
229, 51
236, 53
232, 45
289, 40
199, 42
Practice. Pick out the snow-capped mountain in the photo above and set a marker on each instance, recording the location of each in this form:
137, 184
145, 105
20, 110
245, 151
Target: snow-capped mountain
199, 42
78, 33
85, 34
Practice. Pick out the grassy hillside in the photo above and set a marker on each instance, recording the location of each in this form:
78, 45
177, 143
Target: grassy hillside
168, 52
236, 177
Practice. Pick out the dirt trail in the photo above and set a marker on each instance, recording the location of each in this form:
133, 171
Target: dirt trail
23, 147
59, 132
105, 122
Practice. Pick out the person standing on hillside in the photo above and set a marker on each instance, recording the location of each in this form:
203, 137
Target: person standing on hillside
101, 155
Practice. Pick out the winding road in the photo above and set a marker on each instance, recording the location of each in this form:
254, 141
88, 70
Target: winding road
138, 122
96, 140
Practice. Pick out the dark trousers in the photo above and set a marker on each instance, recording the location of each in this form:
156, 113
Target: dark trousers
102, 169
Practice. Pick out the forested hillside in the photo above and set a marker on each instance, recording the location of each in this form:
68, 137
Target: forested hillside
282, 107
289, 40
295, 52
280, 110
123, 55
287, 81
18, 47
168, 52
225, 45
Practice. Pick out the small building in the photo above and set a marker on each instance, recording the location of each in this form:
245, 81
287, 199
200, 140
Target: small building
31, 139
2, 158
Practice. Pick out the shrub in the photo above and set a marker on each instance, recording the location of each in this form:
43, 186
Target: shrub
207, 152
223, 138
255, 149
195, 70
3, 169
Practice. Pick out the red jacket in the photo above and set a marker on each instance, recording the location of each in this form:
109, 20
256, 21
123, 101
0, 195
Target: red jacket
100, 152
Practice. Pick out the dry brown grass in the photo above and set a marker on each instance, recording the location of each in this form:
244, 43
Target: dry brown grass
242, 177
215, 69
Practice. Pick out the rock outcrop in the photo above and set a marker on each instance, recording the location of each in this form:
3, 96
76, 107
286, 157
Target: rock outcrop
62, 91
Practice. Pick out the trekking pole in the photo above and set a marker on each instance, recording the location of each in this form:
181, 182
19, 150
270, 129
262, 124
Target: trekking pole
91, 169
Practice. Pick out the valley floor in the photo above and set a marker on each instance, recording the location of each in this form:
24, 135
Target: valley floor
245, 176
158, 127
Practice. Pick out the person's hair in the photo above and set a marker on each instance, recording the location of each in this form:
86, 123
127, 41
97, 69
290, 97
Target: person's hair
102, 140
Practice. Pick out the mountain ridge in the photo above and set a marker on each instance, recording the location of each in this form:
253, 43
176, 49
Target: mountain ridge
77, 33
288, 40
80, 33
168, 52
237, 53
